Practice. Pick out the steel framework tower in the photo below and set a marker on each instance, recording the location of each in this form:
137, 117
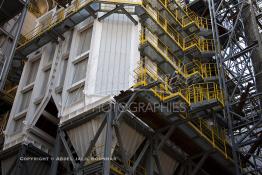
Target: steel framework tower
238, 51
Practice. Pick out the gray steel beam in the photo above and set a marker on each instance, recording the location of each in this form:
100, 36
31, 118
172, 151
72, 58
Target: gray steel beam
141, 155
62, 135
91, 11
129, 16
157, 161
179, 122
166, 137
108, 142
149, 161
7, 63
250, 131
243, 52
125, 108
219, 60
94, 140
252, 34
118, 7
200, 163
57, 149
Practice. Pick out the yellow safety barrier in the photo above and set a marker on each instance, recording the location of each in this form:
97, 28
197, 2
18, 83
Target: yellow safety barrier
209, 70
196, 93
184, 43
199, 21
63, 13
192, 67
201, 70
204, 92
214, 135
186, 20
42, 28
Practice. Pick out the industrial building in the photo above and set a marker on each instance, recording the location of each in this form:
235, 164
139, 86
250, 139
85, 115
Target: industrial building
131, 87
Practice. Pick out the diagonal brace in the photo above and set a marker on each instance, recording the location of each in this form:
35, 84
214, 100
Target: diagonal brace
200, 163
118, 7
93, 141
62, 135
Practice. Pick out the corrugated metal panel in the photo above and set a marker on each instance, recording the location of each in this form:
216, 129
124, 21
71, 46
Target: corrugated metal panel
114, 64
81, 136
168, 164
34, 167
131, 139
101, 140
7, 163
38, 167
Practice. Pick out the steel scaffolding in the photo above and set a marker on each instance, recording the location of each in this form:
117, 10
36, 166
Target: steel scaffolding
237, 53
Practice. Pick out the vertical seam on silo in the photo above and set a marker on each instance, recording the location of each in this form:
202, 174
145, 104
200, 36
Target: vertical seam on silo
115, 53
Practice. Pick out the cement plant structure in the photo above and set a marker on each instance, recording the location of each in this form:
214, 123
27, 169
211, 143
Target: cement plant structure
116, 87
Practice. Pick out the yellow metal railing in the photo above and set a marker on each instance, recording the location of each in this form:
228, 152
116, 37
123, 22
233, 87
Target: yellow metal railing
185, 20
214, 135
191, 68
196, 93
204, 92
184, 43
42, 28
199, 21
195, 68
209, 70
147, 36
64, 13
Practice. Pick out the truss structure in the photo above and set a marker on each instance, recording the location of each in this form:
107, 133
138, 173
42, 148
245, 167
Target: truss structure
237, 54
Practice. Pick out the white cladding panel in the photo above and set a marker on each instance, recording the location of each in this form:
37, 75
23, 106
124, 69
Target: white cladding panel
118, 55
109, 64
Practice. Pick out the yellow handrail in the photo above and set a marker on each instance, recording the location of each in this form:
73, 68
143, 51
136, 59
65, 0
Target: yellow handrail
204, 71
199, 21
184, 43
183, 20
195, 93
62, 14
